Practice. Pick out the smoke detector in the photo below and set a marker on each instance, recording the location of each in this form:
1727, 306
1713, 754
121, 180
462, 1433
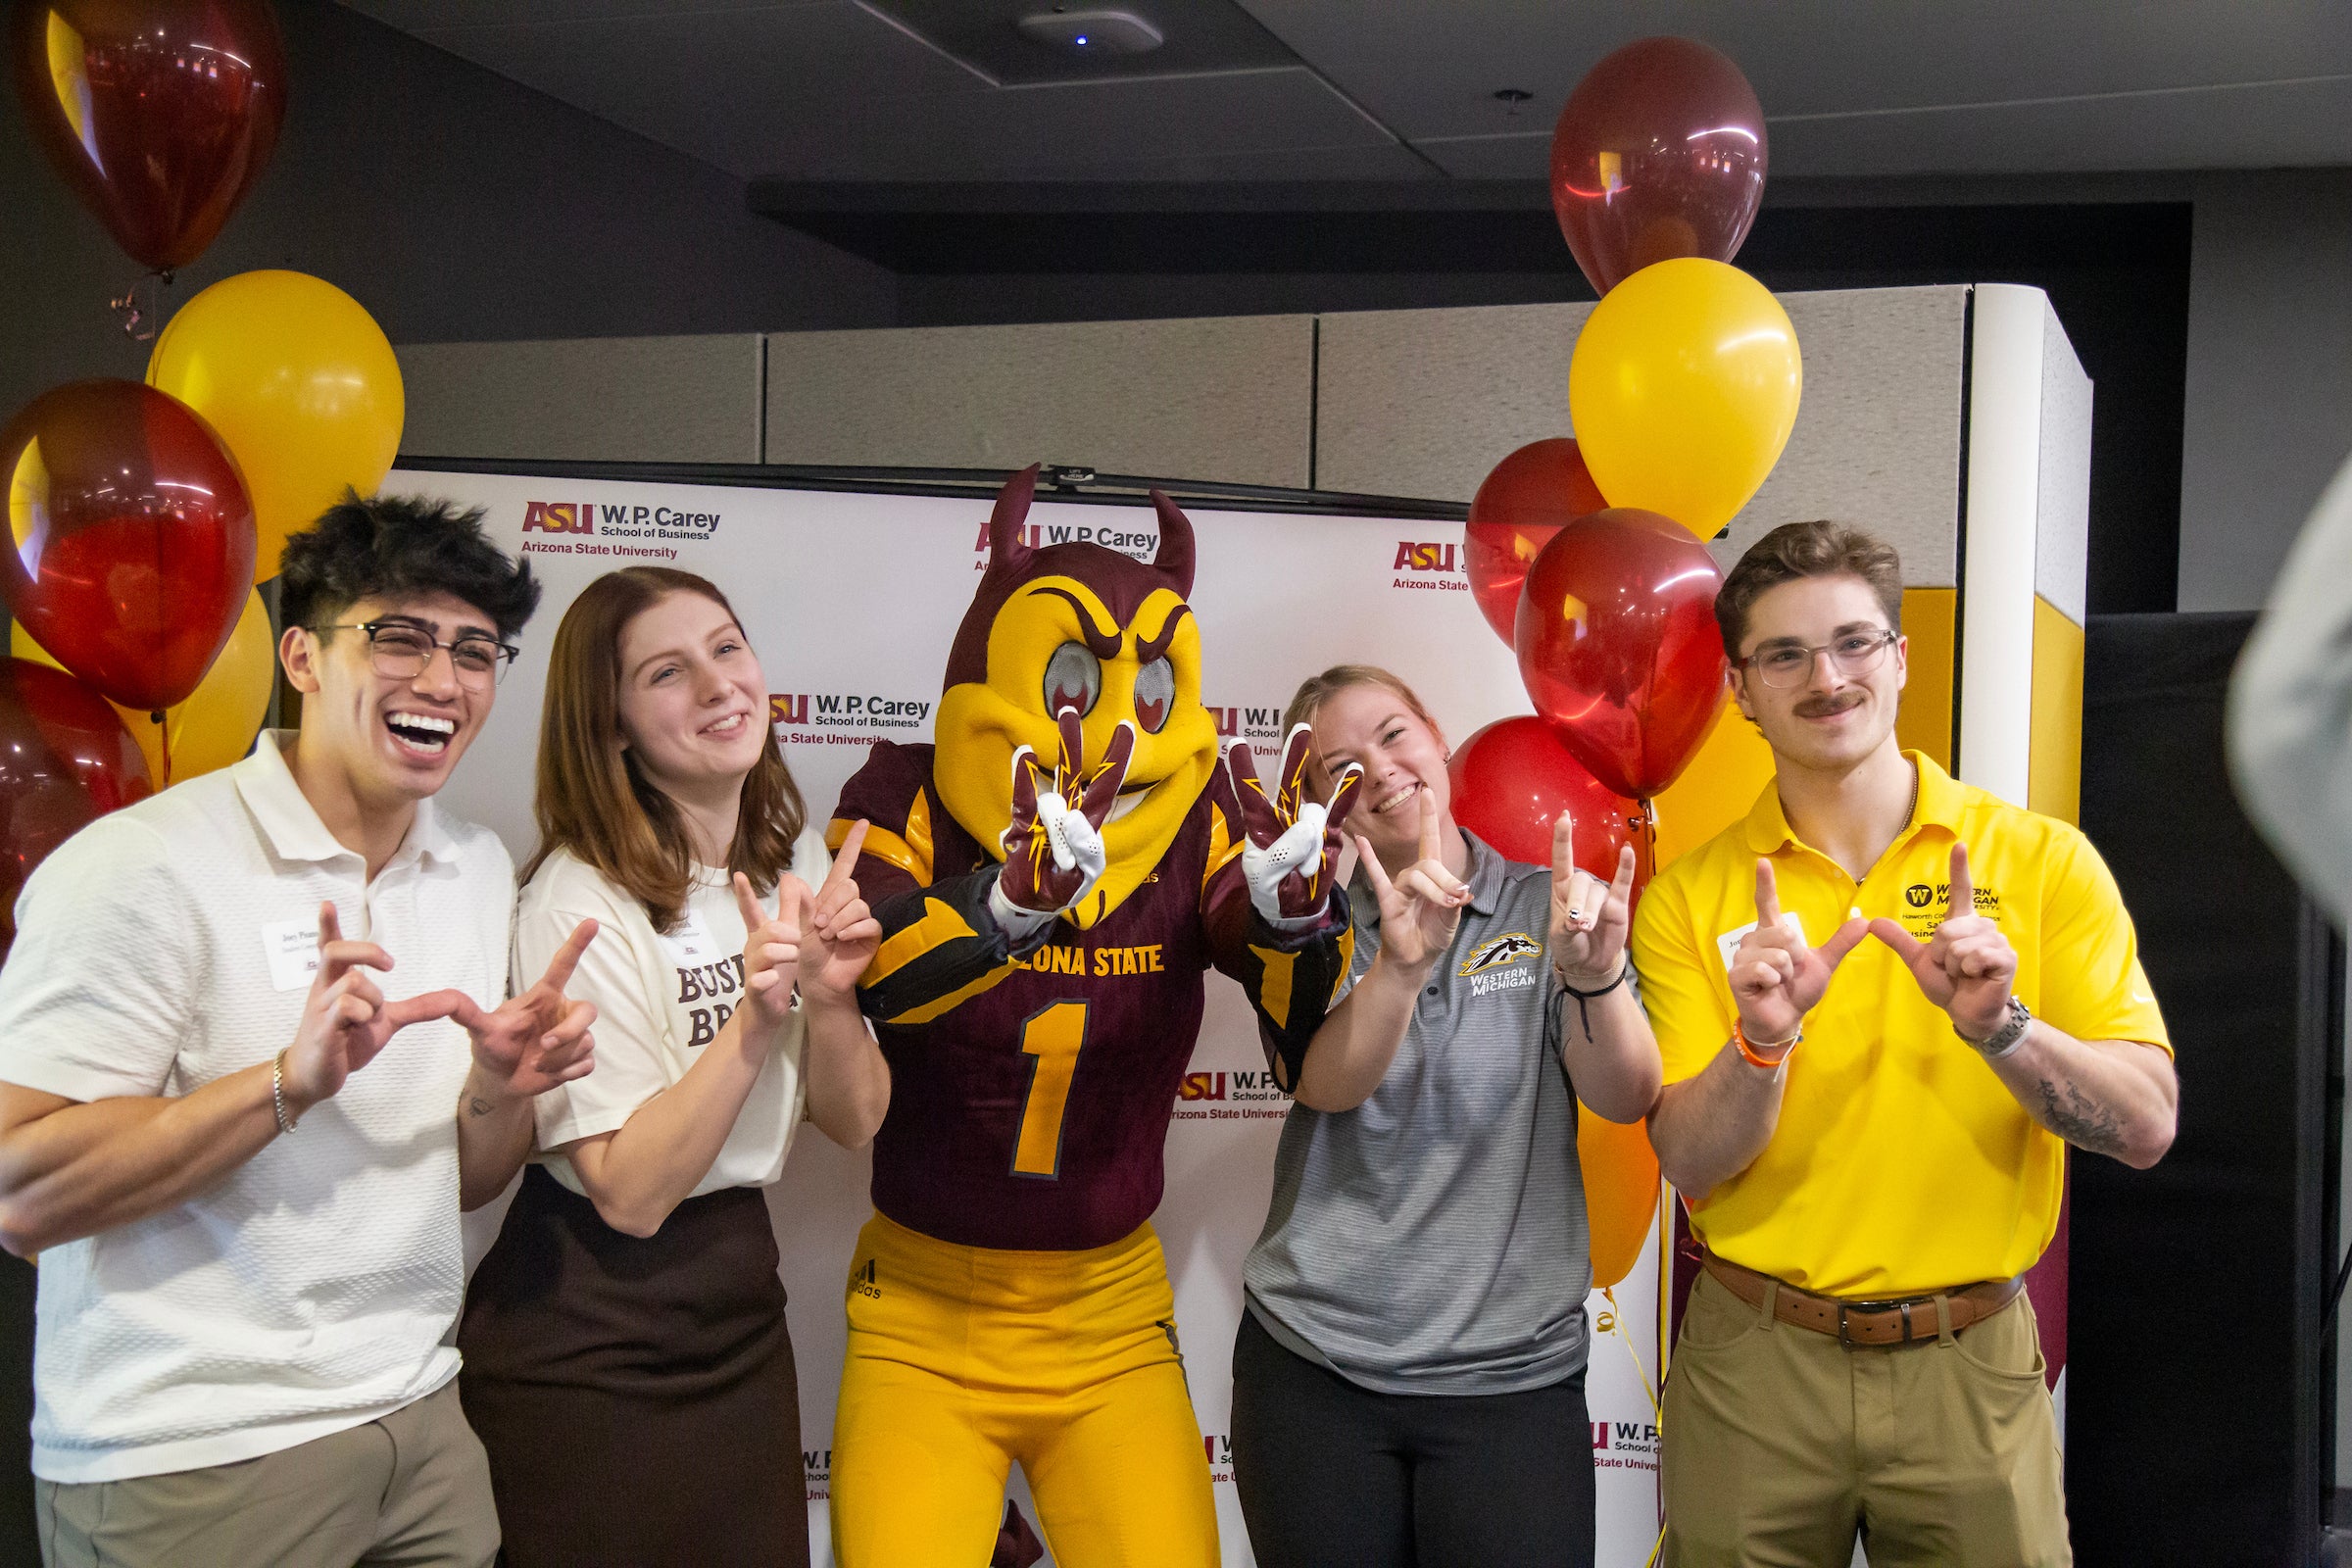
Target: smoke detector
1090, 32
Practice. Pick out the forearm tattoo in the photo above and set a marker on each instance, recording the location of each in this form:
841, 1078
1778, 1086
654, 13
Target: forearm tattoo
477, 1106
2079, 1118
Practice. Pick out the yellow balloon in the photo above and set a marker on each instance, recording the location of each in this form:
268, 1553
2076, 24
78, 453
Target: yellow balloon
300, 384
216, 725
1683, 390
1620, 1192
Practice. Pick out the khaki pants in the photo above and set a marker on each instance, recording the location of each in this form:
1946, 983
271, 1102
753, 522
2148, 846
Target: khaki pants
412, 1489
1782, 1445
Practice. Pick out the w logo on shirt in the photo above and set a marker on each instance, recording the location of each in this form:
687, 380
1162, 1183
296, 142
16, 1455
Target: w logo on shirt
1516, 947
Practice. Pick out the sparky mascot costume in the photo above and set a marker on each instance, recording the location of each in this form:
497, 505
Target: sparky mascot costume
1037, 991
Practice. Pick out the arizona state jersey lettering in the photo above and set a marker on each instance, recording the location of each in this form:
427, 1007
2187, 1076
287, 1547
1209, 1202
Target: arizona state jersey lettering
1030, 1090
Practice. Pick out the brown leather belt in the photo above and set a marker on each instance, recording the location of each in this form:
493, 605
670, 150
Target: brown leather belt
1902, 1320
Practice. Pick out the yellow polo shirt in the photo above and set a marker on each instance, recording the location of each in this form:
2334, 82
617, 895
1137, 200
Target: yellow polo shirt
1900, 1164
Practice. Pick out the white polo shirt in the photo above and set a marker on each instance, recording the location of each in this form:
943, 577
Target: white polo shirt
661, 999
172, 943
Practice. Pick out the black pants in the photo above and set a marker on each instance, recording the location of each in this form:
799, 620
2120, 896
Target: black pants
1334, 1476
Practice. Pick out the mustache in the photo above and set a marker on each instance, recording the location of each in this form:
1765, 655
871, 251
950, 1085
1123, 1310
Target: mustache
1824, 706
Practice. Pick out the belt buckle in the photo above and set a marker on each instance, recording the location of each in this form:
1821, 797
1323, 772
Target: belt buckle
1902, 1304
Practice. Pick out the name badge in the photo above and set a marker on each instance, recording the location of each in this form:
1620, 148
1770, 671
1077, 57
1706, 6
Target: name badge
292, 947
691, 945
1728, 941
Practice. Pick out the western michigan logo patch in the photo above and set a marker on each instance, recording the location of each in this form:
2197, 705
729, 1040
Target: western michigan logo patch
1500, 953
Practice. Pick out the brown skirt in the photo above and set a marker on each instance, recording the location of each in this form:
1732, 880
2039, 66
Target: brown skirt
637, 1396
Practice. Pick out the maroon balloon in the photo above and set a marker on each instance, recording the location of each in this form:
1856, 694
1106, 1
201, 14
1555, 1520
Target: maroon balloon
1511, 782
1618, 646
1659, 152
64, 760
1529, 497
132, 538
161, 114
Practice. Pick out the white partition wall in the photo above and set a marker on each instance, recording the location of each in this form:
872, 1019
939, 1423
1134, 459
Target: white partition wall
2028, 545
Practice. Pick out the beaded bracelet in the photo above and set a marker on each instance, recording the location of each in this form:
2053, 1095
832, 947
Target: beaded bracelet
277, 1092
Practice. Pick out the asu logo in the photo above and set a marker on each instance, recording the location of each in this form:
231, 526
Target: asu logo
1500, 953
1413, 556
559, 516
1201, 1086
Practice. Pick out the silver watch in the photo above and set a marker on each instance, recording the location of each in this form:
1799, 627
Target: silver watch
2008, 1037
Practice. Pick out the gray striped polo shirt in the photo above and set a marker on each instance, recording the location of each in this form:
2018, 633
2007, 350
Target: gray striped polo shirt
1432, 1239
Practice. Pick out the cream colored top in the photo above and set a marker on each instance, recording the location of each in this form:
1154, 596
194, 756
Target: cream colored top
661, 999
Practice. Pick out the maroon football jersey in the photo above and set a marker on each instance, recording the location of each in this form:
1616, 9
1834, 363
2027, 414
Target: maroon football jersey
1030, 1093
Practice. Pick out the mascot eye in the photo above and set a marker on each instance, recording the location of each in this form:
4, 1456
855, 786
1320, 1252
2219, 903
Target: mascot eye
1073, 679
1155, 694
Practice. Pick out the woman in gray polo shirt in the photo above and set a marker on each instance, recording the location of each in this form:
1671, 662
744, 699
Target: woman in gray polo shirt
1408, 1382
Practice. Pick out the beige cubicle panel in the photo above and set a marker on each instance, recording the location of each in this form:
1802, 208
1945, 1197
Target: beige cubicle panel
1411, 402
1423, 402
1223, 398
586, 400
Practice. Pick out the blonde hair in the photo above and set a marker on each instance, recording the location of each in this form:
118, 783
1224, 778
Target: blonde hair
1316, 690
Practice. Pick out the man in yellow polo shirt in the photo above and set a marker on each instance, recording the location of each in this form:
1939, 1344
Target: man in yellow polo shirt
1887, 1002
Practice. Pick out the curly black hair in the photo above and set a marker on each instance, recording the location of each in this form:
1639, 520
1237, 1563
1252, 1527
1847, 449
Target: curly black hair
392, 546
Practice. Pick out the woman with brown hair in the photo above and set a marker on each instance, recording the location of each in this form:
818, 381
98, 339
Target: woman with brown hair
627, 1364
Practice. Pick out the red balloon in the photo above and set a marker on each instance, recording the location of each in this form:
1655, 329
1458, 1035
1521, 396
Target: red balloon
1530, 495
1511, 782
1618, 646
133, 538
64, 760
160, 113
1659, 152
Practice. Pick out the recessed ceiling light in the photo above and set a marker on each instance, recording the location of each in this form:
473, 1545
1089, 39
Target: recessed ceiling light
1090, 32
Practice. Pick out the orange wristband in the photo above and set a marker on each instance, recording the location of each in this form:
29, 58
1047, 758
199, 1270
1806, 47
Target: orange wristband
1768, 1063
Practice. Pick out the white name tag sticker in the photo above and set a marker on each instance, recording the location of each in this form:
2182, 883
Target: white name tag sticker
692, 944
292, 947
1728, 941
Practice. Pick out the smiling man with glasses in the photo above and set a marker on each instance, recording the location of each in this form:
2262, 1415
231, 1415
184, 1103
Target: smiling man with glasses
1871, 1134
254, 1058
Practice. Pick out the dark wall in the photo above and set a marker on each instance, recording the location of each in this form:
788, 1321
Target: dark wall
2117, 274
452, 203
2198, 1391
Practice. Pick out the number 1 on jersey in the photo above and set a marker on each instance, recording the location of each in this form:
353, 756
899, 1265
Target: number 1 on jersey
1055, 1037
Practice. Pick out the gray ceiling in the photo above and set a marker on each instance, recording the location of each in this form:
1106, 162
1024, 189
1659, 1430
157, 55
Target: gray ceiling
1403, 89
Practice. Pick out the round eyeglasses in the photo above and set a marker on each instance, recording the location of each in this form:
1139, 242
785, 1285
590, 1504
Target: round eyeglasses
401, 652
1852, 656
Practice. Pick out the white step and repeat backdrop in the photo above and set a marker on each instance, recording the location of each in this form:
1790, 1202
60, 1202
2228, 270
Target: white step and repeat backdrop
851, 599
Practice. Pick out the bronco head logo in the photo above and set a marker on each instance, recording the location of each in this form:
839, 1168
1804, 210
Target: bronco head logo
1078, 625
1501, 952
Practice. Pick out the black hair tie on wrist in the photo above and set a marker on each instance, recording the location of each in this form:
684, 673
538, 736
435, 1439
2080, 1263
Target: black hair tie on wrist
1584, 1018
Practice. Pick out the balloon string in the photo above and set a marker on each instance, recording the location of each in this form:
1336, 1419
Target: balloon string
1612, 1321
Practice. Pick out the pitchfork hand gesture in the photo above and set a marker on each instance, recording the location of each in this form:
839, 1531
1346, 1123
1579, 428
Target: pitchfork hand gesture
1292, 855
838, 932
1053, 852
1777, 977
1420, 910
1590, 918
